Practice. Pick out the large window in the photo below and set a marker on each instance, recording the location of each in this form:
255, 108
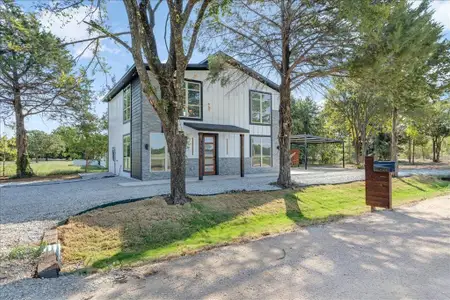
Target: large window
261, 151
159, 156
127, 153
260, 108
193, 105
127, 104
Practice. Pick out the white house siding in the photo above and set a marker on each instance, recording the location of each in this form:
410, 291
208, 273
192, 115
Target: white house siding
116, 130
230, 105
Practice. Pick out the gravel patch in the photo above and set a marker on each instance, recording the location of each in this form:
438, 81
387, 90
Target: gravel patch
13, 236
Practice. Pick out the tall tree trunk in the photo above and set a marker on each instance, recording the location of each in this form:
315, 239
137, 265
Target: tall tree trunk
434, 149
23, 168
86, 162
284, 137
284, 134
176, 142
394, 155
438, 149
409, 150
413, 152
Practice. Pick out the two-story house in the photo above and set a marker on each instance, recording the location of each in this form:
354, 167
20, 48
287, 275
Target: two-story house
231, 129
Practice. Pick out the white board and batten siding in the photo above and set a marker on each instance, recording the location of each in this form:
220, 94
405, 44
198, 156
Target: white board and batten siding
228, 105
116, 130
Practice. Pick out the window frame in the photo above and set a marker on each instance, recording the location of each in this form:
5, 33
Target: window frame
250, 108
123, 153
166, 155
262, 156
125, 90
187, 100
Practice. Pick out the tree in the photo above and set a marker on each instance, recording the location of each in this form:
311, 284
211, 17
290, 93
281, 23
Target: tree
70, 137
396, 63
359, 108
436, 124
7, 150
305, 112
36, 76
163, 86
42, 144
299, 41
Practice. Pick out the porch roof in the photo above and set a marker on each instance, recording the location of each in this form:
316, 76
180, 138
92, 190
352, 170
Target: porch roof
215, 127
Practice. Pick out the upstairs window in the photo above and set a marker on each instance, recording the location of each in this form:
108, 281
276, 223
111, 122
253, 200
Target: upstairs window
193, 102
260, 108
127, 104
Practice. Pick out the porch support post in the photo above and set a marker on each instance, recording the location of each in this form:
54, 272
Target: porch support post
201, 156
242, 155
343, 155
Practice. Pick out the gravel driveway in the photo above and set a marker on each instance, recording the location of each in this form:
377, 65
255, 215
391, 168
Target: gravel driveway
401, 254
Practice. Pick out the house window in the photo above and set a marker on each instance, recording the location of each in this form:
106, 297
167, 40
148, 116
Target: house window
127, 104
127, 153
159, 156
261, 151
260, 108
193, 105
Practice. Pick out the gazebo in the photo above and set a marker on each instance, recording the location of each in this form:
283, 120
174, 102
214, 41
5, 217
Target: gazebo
305, 139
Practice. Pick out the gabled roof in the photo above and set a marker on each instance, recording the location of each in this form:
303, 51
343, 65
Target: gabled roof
203, 65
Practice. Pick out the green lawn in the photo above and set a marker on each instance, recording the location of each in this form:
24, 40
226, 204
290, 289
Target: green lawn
151, 230
46, 168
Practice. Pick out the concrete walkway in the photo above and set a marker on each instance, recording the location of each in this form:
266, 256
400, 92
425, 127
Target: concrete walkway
401, 254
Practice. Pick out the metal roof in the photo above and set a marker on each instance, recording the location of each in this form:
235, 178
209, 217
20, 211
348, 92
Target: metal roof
216, 127
312, 139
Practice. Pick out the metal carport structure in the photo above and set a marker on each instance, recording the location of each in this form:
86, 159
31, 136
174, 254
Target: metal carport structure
305, 139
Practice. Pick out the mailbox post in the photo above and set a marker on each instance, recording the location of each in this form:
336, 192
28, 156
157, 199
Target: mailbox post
379, 183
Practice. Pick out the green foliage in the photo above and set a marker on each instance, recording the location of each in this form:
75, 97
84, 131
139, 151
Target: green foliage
306, 110
41, 144
8, 148
26, 252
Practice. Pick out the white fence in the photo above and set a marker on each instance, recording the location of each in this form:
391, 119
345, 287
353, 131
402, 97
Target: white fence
82, 162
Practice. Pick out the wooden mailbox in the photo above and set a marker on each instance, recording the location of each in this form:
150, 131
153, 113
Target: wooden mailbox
378, 184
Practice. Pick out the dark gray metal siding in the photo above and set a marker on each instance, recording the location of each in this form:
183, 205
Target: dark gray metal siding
136, 129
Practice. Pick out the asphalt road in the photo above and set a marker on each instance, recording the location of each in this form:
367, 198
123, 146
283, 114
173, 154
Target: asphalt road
401, 254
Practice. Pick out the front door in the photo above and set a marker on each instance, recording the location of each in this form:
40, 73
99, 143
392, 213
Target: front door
210, 156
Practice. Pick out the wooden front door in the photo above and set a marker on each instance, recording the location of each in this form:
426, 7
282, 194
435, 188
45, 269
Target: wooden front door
210, 154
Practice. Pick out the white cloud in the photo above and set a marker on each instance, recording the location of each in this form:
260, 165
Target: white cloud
442, 13
72, 28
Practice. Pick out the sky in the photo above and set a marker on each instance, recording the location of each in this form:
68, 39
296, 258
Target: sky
119, 59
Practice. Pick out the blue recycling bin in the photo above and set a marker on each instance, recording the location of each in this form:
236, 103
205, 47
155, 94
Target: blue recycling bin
384, 166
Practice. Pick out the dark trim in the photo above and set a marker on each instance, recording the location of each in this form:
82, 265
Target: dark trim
215, 127
141, 137
123, 164
250, 107
271, 149
201, 154
131, 128
216, 150
201, 101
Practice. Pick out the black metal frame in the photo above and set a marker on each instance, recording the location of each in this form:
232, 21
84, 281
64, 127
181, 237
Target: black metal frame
250, 107
201, 101
123, 148
271, 149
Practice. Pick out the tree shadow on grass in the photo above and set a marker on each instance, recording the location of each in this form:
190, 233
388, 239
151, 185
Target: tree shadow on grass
151, 230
